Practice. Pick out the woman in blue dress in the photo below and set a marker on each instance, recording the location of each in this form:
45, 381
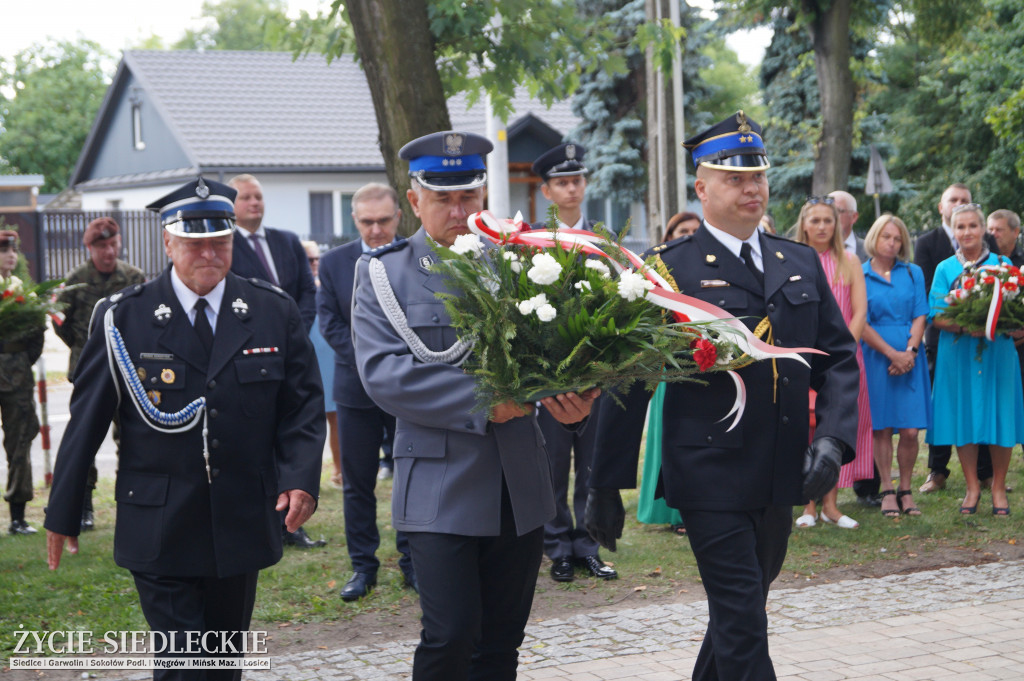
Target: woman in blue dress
977, 399
898, 387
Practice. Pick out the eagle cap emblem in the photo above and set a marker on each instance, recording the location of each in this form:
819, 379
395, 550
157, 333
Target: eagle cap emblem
741, 121
202, 191
570, 151
453, 143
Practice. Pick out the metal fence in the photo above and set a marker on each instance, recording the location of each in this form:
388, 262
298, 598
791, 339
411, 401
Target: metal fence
61, 248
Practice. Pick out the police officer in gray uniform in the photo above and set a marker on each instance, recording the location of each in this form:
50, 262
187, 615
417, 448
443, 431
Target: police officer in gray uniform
472, 492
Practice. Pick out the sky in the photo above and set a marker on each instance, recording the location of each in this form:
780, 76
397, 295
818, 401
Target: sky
119, 24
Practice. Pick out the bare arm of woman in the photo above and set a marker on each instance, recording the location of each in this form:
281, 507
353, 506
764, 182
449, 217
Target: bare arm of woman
858, 299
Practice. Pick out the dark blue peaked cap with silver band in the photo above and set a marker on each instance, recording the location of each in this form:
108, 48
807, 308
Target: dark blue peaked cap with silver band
732, 144
561, 161
448, 161
201, 208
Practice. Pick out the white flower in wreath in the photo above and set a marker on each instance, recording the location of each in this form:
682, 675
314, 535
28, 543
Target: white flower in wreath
530, 304
632, 285
546, 312
516, 264
581, 285
469, 245
13, 284
545, 270
600, 267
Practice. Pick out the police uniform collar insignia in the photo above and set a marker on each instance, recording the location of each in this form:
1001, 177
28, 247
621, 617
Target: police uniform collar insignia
426, 261
453, 144
162, 313
710, 258
778, 254
240, 308
202, 191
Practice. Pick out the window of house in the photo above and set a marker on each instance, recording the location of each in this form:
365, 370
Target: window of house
137, 143
348, 225
321, 217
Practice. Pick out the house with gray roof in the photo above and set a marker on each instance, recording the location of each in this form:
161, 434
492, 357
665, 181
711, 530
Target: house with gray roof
305, 128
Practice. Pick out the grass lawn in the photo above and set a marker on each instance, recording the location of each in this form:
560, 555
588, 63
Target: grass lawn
90, 592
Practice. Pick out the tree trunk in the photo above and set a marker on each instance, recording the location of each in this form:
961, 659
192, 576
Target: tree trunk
830, 33
663, 170
397, 55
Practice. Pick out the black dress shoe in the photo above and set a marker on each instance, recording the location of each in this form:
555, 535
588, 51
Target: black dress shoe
300, 540
87, 521
409, 577
361, 584
870, 500
20, 527
561, 569
597, 568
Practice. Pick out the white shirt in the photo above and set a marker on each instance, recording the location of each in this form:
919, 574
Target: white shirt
851, 243
734, 244
188, 298
262, 234
580, 224
949, 232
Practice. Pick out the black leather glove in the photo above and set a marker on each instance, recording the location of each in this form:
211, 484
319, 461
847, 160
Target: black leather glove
604, 516
822, 460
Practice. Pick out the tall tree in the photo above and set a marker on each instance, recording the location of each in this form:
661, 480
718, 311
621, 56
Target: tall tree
50, 95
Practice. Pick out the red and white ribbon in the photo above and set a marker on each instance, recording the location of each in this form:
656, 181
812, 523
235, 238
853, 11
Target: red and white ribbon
993, 309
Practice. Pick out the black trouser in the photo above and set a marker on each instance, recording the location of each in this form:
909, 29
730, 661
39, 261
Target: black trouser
939, 455
187, 604
739, 554
564, 535
361, 432
476, 594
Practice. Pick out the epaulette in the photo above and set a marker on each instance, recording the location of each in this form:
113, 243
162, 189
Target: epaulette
132, 290
661, 248
267, 285
396, 245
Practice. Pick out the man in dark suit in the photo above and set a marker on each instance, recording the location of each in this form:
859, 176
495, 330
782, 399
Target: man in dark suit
218, 395
930, 249
736, 487
274, 255
362, 425
566, 541
472, 491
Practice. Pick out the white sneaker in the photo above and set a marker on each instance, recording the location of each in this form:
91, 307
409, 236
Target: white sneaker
806, 520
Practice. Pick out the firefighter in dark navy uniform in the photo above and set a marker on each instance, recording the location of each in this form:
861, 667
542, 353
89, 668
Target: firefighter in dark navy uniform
217, 389
736, 487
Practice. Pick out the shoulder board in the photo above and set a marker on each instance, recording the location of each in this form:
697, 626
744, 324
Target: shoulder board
268, 286
396, 245
132, 290
661, 248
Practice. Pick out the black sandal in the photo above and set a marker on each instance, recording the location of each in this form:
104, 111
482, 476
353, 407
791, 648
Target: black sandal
909, 510
891, 512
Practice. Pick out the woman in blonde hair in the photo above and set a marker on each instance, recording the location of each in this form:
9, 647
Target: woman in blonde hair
818, 228
897, 382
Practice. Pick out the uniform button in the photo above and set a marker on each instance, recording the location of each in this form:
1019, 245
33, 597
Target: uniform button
785, 381
213, 413
211, 385
410, 448
214, 472
785, 420
771, 307
263, 372
131, 493
435, 318
804, 296
722, 301
153, 380
469, 425
709, 439
214, 444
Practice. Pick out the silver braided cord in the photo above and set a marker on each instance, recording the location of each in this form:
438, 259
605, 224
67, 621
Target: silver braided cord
455, 355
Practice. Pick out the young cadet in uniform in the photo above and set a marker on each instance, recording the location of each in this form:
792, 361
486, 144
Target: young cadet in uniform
217, 389
471, 493
736, 487
566, 541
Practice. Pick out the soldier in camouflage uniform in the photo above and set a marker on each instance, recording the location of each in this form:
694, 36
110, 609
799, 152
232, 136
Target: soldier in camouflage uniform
100, 276
17, 405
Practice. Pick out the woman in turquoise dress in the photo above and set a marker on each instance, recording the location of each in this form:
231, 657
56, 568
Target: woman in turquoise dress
897, 377
976, 399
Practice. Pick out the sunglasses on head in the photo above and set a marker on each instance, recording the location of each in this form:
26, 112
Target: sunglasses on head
815, 200
6, 246
967, 206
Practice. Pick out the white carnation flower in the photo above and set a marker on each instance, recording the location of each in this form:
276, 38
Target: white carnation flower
600, 267
632, 285
545, 270
546, 312
529, 305
582, 285
516, 265
468, 244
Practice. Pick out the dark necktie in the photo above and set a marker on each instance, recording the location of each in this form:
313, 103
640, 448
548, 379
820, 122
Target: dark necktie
202, 325
258, 247
747, 253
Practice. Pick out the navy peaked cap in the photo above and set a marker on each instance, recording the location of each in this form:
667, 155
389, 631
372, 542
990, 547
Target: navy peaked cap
732, 144
561, 161
200, 208
448, 161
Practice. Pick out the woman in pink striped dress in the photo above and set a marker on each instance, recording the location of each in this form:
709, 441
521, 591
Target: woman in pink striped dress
817, 227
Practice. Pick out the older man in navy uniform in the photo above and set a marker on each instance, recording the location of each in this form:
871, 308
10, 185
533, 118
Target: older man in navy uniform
566, 541
217, 389
472, 492
736, 487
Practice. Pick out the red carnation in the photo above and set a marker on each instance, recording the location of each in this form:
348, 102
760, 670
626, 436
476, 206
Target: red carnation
1010, 286
968, 283
20, 299
988, 280
8, 293
704, 353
